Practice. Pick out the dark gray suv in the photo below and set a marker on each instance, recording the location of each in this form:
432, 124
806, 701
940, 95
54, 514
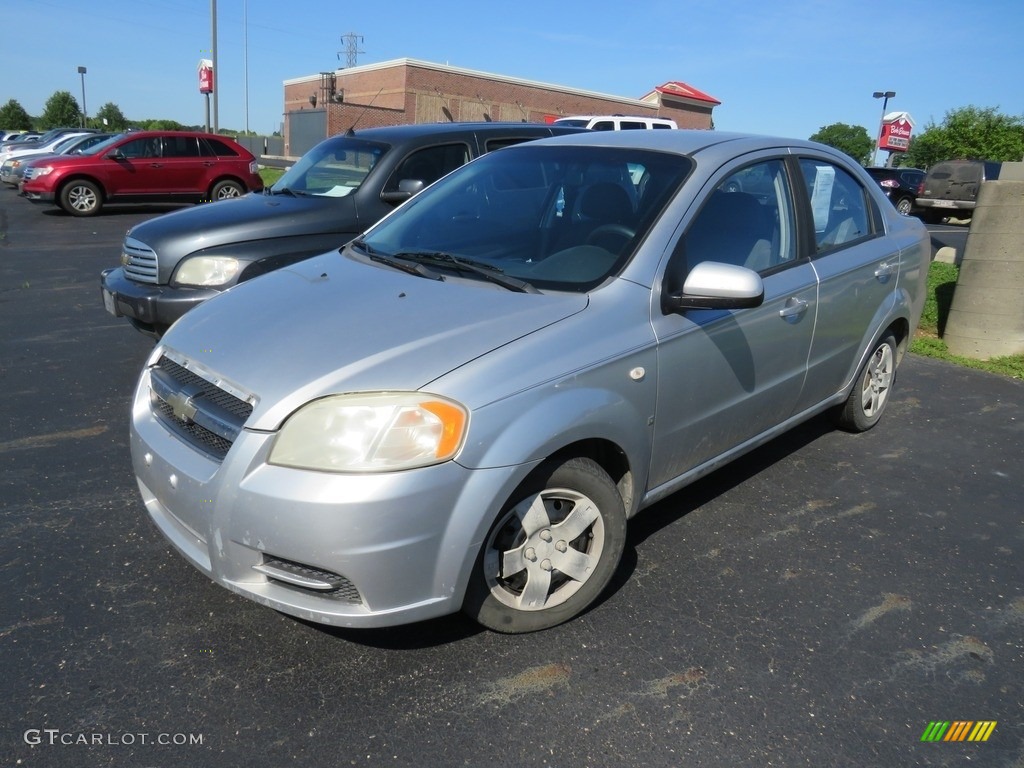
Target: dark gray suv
171, 263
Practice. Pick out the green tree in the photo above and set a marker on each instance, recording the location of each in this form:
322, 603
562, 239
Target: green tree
13, 117
163, 125
60, 111
969, 132
851, 139
115, 119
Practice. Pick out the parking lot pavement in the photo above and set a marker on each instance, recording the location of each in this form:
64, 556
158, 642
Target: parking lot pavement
820, 602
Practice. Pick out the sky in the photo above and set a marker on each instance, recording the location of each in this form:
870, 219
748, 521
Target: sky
780, 67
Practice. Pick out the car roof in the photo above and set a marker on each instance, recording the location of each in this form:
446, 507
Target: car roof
417, 130
689, 141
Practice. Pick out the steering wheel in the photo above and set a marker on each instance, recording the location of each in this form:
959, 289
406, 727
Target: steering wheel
611, 237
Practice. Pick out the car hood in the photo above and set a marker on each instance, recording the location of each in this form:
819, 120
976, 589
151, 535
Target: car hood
332, 324
255, 216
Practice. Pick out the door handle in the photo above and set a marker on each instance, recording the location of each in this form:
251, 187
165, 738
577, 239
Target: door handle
794, 310
886, 270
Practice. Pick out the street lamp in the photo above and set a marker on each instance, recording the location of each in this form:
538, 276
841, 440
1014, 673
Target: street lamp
85, 112
885, 96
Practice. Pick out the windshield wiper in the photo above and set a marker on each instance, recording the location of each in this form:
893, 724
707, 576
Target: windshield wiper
420, 270
459, 264
287, 191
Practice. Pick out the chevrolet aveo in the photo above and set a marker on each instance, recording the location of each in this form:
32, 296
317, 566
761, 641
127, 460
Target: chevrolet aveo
462, 408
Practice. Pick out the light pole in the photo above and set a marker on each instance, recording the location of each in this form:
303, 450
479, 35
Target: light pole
85, 112
885, 96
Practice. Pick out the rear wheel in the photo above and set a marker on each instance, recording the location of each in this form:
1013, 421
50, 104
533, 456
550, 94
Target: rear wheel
870, 395
551, 551
904, 205
225, 189
81, 198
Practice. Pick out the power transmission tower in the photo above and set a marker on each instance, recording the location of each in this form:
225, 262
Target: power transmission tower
352, 42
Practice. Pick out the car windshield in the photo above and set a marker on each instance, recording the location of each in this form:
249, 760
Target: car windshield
333, 168
554, 217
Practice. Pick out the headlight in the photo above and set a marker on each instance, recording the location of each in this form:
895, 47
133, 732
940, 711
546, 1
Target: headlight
207, 270
371, 432
41, 170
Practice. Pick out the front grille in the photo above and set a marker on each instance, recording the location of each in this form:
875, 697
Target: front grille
203, 414
306, 578
139, 261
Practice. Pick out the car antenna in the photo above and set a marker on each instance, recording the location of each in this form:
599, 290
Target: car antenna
352, 128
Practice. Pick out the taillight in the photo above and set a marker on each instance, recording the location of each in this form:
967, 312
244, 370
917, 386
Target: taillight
254, 167
889, 183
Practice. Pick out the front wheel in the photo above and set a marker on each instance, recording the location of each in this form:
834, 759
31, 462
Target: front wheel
870, 394
222, 190
552, 550
81, 198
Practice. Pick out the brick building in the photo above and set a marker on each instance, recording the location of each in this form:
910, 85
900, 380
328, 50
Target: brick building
409, 91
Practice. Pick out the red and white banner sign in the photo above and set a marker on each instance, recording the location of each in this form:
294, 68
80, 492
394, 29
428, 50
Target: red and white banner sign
896, 134
205, 76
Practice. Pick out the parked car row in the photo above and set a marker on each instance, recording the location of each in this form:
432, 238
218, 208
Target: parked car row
141, 167
472, 352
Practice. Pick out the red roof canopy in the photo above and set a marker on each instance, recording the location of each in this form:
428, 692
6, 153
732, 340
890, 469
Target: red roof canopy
683, 91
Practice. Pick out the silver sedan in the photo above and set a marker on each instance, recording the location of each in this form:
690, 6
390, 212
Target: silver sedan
461, 409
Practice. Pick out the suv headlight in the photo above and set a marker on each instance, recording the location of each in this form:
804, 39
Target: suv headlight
207, 270
41, 170
371, 432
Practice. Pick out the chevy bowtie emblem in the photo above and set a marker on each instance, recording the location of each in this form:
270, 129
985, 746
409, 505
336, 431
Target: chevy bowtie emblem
182, 407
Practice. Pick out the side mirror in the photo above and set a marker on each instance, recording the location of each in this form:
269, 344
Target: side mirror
116, 154
713, 285
406, 189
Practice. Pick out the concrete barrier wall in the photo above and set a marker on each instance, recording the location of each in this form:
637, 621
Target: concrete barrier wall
986, 318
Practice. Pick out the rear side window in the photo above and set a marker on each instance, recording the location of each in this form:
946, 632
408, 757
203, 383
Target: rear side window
219, 148
632, 125
838, 204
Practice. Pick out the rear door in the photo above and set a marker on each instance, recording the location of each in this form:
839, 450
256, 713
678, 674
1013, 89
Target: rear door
857, 272
184, 168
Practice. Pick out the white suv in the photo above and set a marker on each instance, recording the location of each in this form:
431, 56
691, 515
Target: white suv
616, 122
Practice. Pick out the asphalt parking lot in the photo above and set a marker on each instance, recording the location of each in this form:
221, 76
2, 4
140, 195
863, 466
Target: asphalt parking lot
818, 603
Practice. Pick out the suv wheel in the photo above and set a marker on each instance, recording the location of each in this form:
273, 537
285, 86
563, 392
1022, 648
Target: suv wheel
904, 205
81, 198
225, 189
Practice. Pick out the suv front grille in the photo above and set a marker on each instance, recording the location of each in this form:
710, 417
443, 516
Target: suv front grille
203, 414
139, 261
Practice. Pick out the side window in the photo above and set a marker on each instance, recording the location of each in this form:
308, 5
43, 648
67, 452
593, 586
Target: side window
747, 221
838, 204
428, 165
141, 148
505, 141
631, 125
603, 125
181, 146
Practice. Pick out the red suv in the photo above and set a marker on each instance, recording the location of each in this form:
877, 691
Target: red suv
143, 167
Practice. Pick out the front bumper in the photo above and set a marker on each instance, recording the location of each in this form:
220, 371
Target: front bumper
399, 546
150, 308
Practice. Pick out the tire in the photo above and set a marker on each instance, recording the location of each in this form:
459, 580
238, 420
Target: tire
905, 205
81, 198
222, 190
567, 516
870, 394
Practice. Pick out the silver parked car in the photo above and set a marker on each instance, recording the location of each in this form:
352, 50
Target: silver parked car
462, 408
